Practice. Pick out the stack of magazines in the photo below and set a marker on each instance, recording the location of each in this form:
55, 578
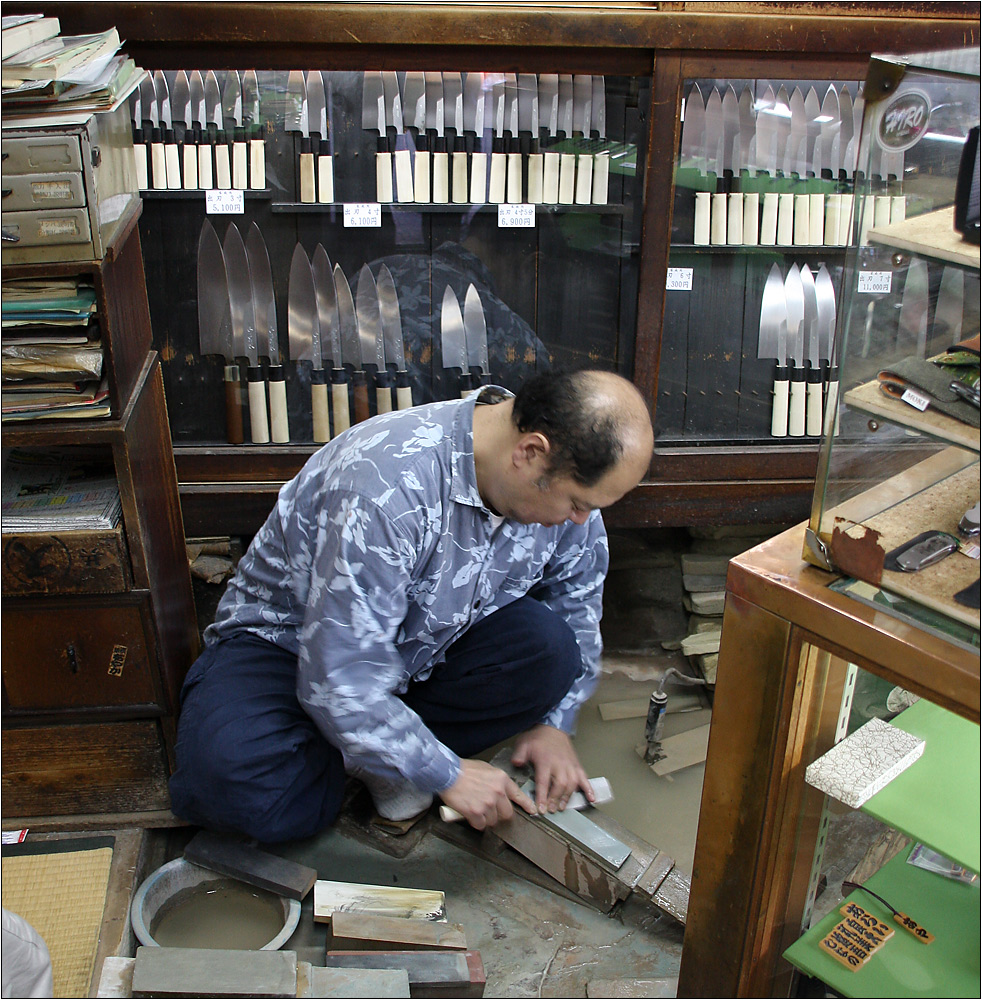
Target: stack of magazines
52, 350
57, 491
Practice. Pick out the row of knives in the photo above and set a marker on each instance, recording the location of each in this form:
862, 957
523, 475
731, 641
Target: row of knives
499, 138
778, 169
350, 341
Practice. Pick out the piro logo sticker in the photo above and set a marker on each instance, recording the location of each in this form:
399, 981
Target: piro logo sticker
904, 120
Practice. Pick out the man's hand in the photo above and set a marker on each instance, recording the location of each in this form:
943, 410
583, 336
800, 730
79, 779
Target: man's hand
483, 794
558, 772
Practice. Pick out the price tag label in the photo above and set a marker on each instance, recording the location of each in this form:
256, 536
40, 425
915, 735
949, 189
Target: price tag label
225, 202
874, 282
516, 216
679, 279
363, 215
916, 400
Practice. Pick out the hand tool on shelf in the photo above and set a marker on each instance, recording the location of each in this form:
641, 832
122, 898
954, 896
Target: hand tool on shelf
232, 120
202, 157
373, 119
330, 330
252, 121
474, 114
181, 110
732, 196
772, 342
528, 130
498, 177
691, 174
714, 152
453, 340
601, 155
825, 297
435, 128
513, 155
217, 152
140, 148
476, 336
395, 354
303, 327
795, 302
172, 160
567, 158
369, 317
414, 120
351, 351
548, 127
812, 339
396, 138
320, 145
453, 112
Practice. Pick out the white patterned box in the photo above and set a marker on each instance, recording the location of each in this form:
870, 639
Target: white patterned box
855, 769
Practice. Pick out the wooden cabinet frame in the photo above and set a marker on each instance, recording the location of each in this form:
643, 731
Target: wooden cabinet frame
667, 41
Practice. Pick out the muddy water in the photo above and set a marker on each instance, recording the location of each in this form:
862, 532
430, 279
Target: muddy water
219, 914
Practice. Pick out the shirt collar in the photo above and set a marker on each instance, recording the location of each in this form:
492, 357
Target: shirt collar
463, 474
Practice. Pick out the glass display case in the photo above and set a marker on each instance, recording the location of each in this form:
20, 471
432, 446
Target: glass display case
897, 494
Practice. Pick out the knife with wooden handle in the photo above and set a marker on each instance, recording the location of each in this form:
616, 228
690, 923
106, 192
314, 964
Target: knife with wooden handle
330, 346
388, 302
351, 346
305, 338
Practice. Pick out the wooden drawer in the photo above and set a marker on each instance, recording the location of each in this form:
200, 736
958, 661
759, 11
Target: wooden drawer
71, 654
114, 767
70, 562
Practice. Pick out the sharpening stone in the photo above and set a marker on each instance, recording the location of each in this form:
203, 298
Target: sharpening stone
214, 972
249, 864
366, 931
431, 973
380, 984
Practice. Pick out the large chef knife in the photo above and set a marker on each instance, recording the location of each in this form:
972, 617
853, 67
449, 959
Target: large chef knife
567, 158
772, 342
319, 120
747, 161
474, 108
528, 125
373, 119
453, 117
298, 121
814, 156
693, 163
351, 344
414, 116
498, 178
172, 159
140, 147
912, 327
732, 203
453, 340
388, 302
582, 108
601, 158
181, 106
198, 119
787, 150
316, 126
267, 331
795, 165
476, 336
396, 137
825, 296
212, 147
232, 120
715, 153
371, 338
795, 299
513, 153
549, 125
244, 337
812, 338
766, 139
305, 338
330, 328
215, 325
253, 124
435, 125
830, 139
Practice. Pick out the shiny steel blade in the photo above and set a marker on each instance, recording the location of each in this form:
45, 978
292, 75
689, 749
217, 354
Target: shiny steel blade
745, 114
498, 105
347, 319
453, 102
511, 104
244, 339
414, 101
473, 103
813, 126
582, 99
250, 98
825, 296
182, 98
766, 131
263, 299
327, 307
197, 92
693, 126
598, 104
388, 302
316, 103
136, 108
369, 320
549, 102
810, 334
782, 124
714, 132
393, 100
845, 122
296, 102
795, 296
773, 315
829, 123
731, 129
434, 100
232, 98
373, 102
475, 330
163, 99
799, 130
565, 124
303, 328
148, 101
214, 319
453, 339
213, 100
528, 103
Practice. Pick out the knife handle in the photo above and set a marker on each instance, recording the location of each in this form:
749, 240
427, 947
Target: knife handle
584, 178
278, 420
223, 163
567, 178
318, 405
258, 421
404, 391
700, 219
796, 406
601, 177
441, 173
497, 186
466, 384
833, 208
205, 175
404, 176
257, 159
734, 219
550, 178
831, 423
458, 187
383, 391
751, 218
717, 223
383, 172
768, 219
325, 174
233, 405
813, 405
785, 219
172, 161
158, 166
421, 176
513, 187
779, 409
846, 211
802, 220
308, 194
360, 399
816, 219
189, 162
535, 181
339, 400
140, 160
240, 160
479, 178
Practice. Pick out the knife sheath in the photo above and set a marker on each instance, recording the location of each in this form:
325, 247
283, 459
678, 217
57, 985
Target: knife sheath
258, 421
223, 162
601, 177
189, 162
325, 173
550, 178
240, 160
567, 178
584, 178
751, 218
257, 159
172, 161
205, 175
234, 402
279, 424
360, 397
339, 400
700, 220
479, 179
779, 410
307, 190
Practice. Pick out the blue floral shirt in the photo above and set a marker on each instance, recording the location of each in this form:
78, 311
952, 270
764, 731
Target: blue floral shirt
377, 556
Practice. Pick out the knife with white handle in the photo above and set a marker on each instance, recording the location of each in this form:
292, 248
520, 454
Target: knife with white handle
577, 800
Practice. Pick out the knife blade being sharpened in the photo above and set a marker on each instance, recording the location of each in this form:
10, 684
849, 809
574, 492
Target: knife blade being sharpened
577, 800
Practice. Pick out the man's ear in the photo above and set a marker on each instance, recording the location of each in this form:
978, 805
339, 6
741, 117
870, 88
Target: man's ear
532, 449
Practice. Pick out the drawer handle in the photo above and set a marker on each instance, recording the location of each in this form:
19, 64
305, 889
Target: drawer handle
72, 658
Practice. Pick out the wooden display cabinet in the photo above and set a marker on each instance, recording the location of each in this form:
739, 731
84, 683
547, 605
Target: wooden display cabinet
99, 627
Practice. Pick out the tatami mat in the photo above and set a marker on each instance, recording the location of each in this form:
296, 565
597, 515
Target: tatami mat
62, 895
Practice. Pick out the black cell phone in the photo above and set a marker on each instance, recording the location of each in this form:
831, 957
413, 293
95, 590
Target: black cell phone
924, 550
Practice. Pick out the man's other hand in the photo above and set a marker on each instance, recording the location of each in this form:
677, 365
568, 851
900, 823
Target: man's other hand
558, 771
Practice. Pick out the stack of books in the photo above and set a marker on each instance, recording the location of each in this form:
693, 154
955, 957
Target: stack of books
51, 351
45, 72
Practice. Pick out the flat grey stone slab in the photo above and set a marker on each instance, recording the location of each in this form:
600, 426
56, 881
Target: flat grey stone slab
213, 972
230, 856
379, 984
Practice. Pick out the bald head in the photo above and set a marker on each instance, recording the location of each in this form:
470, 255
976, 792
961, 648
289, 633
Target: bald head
594, 421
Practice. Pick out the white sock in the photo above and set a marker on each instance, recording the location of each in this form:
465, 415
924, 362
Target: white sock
396, 799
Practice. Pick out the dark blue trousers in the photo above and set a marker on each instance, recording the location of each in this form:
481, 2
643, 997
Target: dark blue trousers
250, 760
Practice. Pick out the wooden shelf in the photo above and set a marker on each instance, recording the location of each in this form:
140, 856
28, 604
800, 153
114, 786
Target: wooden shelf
929, 235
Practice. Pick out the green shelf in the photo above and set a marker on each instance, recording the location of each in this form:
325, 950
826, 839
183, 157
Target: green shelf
905, 966
936, 800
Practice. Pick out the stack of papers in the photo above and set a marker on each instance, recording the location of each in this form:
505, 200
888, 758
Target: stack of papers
57, 491
52, 350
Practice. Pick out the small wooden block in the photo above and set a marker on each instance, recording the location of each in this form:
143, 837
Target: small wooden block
381, 984
857, 918
913, 927
681, 751
431, 973
213, 972
380, 900
353, 931
249, 864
